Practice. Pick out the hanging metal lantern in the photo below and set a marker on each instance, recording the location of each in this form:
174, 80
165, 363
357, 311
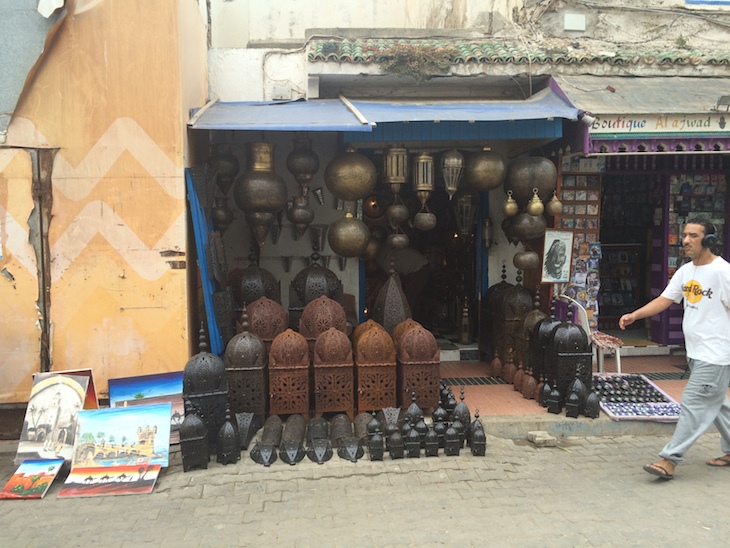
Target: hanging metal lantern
452, 167
397, 240
300, 214
350, 175
554, 206
485, 170
395, 167
487, 234
225, 164
423, 176
349, 236
528, 227
424, 220
510, 207
303, 163
221, 214
526, 260
396, 214
465, 207
535, 205
527, 173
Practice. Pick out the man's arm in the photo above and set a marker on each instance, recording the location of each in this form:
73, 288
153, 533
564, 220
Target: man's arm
660, 304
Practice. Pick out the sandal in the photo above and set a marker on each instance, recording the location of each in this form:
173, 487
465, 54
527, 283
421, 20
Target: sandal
719, 461
657, 470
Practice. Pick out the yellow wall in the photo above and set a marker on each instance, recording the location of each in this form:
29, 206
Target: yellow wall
108, 93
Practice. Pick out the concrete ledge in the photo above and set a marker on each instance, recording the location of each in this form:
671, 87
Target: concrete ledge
560, 426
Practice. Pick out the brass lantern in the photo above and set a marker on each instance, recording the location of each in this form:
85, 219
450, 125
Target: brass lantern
395, 167
452, 167
423, 176
465, 204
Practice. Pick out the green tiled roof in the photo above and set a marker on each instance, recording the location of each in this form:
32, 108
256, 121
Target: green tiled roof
369, 51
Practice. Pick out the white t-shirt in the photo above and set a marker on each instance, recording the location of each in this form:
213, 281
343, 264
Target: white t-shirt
706, 323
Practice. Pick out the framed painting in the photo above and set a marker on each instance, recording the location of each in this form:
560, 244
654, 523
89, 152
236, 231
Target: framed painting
558, 250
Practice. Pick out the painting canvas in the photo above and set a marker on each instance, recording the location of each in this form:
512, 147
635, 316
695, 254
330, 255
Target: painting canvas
557, 256
91, 401
49, 427
103, 481
32, 479
146, 389
123, 436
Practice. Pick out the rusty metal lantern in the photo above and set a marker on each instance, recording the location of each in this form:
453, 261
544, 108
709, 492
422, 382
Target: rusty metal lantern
245, 359
395, 167
334, 373
267, 319
485, 170
350, 176
303, 163
289, 374
423, 183
259, 192
452, 168
349, 236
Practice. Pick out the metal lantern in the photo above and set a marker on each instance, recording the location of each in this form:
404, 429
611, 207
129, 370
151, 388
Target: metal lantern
300, 214
225, 164
465, 208
395, 167
423, 176
487, 234
303, 163
350, 176
485, 170
452, 167
349, 236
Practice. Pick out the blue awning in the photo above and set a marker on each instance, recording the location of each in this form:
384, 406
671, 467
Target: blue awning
363, 115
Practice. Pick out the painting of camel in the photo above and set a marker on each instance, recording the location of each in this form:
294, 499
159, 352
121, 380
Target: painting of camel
104, 481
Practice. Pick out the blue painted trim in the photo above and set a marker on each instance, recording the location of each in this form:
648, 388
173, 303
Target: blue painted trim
200, 230
361, 293
459, 131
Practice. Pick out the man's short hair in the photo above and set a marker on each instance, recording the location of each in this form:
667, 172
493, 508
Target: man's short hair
708, 227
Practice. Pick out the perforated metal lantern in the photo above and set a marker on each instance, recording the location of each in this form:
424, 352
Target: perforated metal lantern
395, 167
423, 182
465, 204
391, 306
374, 354
568, 355
418, 361
229, 441
316, 280
334, 373
264, 452
291, 449
267, 319
205, 387
257, 282
318, 316
375, 446
289, 374
194, 444
452, 168
513, 305
350, 175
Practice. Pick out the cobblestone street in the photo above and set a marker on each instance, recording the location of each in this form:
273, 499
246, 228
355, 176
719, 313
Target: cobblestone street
585, 492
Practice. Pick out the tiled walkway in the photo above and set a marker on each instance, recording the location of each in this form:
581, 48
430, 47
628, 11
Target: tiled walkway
490, 397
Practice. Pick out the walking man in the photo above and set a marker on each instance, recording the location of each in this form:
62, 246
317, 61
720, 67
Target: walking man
704, 285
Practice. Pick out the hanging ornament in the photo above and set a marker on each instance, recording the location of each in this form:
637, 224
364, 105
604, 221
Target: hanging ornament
526, 260
535, 205
424, 220
485, 170
349, 236
300, 214
423, 176
395, 167
303, 163
510, 207
464, 206
350, 176
554, 206
527, 173
396, 214
225, 164
222, 216
452, 168
398, 240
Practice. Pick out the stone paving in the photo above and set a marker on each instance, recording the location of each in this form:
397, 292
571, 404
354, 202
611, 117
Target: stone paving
584, 492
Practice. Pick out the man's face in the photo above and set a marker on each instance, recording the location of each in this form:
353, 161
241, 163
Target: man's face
559, 256
692, 240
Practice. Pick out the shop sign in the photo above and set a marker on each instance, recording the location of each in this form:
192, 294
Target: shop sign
653, 124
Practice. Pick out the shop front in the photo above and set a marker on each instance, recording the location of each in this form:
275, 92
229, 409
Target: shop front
657, 148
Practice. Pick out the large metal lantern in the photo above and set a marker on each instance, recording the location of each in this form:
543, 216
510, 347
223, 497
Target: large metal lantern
300, 214
452, 168
349, 236
259, 192
526, 174
303, 163
423, 176
350, 175
485, 170
528, 227
395, 167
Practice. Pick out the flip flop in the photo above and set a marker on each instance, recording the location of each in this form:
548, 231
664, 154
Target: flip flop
659, 471
719, 461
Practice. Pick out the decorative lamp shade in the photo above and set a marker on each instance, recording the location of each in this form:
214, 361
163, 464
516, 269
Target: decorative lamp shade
289, 349
321, 314
452, 167
395, 167
332, 347
423, 176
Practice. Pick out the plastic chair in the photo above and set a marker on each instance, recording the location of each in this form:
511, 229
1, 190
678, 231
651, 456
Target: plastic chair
601, 341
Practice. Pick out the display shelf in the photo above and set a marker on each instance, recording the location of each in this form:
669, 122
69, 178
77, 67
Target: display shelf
620, 269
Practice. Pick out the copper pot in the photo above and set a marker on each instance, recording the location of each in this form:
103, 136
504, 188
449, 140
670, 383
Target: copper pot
485, 170
350, 175
349, 236
526, 174
259, 188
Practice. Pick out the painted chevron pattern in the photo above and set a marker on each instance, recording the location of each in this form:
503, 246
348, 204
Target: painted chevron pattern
99, 218
16, 241
123, 134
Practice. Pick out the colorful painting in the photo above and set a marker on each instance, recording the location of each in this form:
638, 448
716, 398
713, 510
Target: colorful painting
147, 389
91, 401
123, 436
102, 481
32, 479
49, 427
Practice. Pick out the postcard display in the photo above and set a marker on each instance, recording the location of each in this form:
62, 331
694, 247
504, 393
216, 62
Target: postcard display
580, 194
